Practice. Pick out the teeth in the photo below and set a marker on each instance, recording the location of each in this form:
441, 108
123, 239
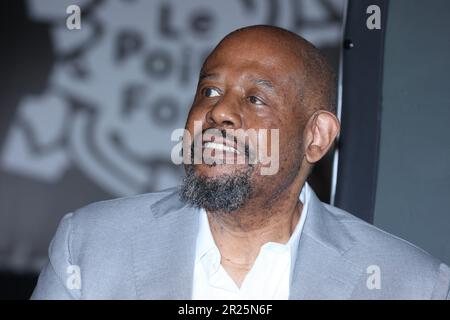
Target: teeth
220, 146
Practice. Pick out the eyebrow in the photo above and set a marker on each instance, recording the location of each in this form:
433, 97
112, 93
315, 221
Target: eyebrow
204, 76
259, 82
264, 83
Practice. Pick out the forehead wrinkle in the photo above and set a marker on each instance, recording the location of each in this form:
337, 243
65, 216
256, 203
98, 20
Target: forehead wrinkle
247, 69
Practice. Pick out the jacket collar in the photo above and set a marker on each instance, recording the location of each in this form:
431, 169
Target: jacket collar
164, 253
321, 270
164, 250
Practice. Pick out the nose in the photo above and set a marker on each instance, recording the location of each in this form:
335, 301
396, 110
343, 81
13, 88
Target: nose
225, 114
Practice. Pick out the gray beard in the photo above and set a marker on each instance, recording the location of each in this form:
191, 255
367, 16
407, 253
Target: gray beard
224, 193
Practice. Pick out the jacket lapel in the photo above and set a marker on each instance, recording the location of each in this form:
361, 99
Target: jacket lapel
164, 250
321, 270
164, 253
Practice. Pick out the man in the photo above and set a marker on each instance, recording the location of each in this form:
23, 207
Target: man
231, 232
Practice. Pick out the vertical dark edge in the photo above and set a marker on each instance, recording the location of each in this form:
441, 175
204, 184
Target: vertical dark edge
362, 84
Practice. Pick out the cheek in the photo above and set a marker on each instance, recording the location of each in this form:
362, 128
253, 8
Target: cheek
270, 134
291, 144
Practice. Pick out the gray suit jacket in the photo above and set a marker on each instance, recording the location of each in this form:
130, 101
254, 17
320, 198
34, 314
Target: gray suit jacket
142, 247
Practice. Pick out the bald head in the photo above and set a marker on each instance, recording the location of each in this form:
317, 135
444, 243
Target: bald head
314, 76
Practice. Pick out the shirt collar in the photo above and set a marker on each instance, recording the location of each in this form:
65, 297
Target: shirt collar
205, 240
206, 246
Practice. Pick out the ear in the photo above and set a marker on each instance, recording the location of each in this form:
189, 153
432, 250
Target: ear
320, 132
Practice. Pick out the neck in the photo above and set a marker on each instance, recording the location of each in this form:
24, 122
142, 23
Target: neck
239, 235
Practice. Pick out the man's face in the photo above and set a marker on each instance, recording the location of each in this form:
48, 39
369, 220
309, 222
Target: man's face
251, 82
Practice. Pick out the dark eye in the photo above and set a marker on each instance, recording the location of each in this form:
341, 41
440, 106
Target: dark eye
255, 100
211, 92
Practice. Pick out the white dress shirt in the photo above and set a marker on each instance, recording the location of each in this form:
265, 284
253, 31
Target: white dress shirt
270, 276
